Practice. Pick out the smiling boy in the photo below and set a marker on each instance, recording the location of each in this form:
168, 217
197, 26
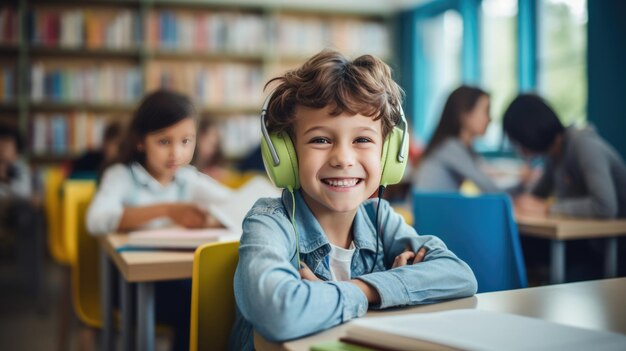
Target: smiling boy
312, 259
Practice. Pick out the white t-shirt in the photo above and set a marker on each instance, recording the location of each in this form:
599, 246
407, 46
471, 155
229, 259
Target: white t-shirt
340, 261
130, 186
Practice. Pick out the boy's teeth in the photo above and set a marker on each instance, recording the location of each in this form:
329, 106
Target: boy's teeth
342, 182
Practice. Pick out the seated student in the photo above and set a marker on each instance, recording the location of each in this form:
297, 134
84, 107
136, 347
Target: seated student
586, 174
91, 163
154, 186
18, 213
449, 158
15, 176
208, 157
314, 258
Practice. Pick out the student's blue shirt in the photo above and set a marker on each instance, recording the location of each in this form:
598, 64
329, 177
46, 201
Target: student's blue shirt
272, 299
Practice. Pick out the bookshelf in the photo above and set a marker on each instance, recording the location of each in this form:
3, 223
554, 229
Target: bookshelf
68, 66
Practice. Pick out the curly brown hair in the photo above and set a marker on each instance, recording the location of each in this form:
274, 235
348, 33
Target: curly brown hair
363, 86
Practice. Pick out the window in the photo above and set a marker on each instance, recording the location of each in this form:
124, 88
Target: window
499, 63
562, 61
439, 71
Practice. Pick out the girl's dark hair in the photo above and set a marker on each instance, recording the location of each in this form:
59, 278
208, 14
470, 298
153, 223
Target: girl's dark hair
462, 100
10, 132
158, 110
530, 122
363, 85
218, 157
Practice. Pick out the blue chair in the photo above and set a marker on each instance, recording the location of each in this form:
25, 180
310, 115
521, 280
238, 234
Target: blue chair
480, 230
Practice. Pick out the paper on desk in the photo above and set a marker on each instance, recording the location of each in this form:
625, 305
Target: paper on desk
232, 211
470, 329
179, 237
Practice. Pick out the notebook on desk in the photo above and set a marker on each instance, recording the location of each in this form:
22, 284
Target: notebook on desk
178, 238
471, 329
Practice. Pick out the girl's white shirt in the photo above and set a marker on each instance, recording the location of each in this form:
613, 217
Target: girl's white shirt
124, 186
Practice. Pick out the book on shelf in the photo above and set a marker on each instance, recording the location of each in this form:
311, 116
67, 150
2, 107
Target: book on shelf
85, 83
230, 213
206, 31
9, 25
73, 28
67, 133
471, 329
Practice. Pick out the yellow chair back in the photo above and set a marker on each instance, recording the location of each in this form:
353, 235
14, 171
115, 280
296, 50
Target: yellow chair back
82, 251
53, 181
212, 296
236, 180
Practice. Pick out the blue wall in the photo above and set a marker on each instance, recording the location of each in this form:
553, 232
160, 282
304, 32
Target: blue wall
607, 70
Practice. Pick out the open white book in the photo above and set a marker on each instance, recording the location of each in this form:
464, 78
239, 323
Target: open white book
230, 213
470, 329
178, 238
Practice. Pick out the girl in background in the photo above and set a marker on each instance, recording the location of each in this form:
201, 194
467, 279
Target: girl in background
152, 185
449, 158
208, 157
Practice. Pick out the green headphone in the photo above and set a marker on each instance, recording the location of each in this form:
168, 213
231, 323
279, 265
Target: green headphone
281, 161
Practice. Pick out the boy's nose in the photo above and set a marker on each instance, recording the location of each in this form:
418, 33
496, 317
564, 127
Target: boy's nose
342, 156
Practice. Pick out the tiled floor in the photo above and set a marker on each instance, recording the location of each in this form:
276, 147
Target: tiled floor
26, 327
23, 325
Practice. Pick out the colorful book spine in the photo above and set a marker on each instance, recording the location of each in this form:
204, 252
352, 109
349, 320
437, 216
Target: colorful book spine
112, 29
68, 133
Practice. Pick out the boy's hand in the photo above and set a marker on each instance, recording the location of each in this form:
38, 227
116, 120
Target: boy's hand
187, 215
307, 274
409, 256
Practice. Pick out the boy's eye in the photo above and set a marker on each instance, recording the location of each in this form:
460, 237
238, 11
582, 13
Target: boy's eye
362, 140
320, 140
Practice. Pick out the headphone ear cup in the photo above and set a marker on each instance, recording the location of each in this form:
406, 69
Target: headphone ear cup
285, 174
393, 170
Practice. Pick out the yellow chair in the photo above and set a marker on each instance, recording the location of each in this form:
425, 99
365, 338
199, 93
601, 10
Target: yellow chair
53, 181
82, 251
212, 296
236, 180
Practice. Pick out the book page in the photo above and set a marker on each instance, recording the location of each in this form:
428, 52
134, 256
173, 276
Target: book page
470, 329
233, 210
178, 237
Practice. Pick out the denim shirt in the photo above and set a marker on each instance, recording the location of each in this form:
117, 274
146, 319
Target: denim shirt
273, 299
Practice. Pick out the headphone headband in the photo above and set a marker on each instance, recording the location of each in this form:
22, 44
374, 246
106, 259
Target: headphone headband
402, 124
266, 135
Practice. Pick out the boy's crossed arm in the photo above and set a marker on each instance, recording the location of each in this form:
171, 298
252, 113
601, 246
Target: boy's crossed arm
373, 297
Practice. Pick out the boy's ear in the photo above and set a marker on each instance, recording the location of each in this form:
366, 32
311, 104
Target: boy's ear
284, 174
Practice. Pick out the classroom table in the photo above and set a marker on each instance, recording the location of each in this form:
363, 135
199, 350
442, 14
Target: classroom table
143, 269
591, 304
561, 229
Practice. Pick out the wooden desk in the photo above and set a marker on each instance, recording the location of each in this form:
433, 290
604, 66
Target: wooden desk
559, 229
142, 268
593, 304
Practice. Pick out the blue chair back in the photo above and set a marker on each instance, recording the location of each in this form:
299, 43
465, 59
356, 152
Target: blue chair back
480, 230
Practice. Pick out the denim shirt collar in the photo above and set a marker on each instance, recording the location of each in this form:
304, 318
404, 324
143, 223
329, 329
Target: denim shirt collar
314, 246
